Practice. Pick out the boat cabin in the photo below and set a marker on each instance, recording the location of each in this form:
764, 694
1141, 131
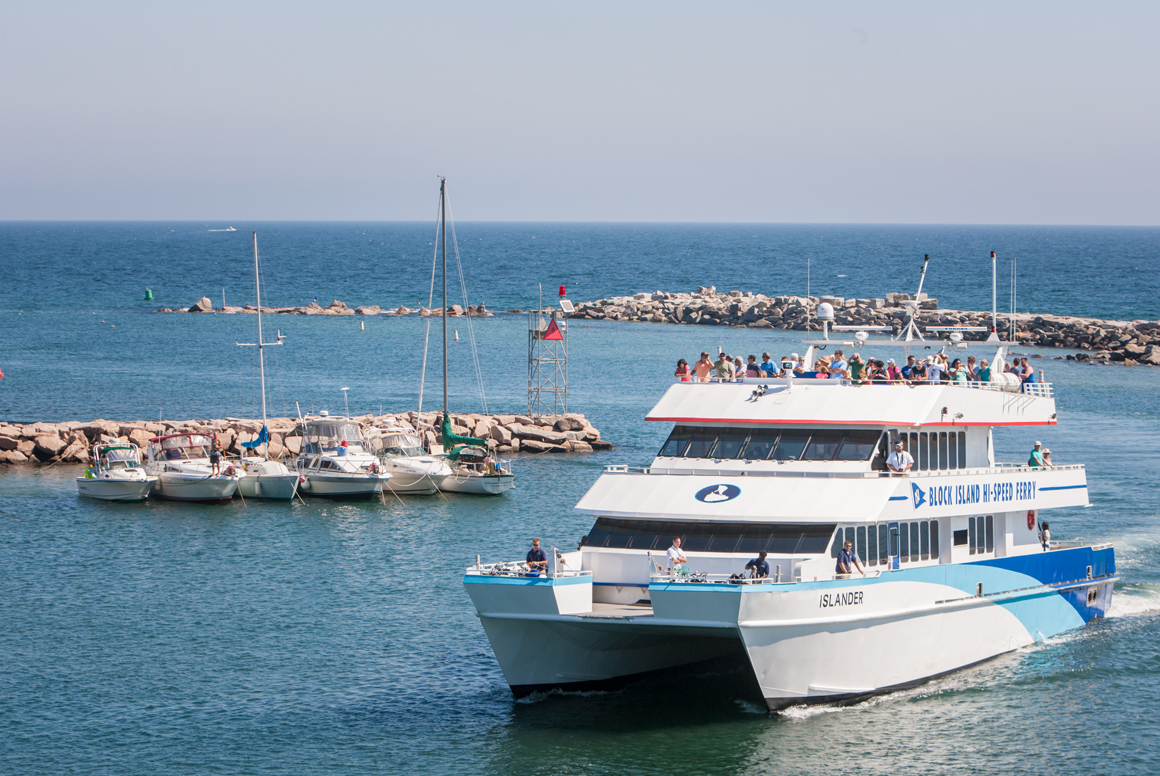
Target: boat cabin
180, 447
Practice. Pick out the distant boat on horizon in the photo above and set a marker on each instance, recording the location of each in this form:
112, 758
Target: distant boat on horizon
227, 229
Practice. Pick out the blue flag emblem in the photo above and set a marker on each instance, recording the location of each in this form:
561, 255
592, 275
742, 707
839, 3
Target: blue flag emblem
918, 496
715, 493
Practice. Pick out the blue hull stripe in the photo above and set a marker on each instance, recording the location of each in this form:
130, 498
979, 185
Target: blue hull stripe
904, 498
1064, 487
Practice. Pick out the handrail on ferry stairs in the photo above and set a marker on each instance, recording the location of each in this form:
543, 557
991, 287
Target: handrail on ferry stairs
518, 568
685, 575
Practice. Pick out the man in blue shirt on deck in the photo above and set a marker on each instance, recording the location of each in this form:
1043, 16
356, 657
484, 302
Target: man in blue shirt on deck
848, 560
767, 366
537, 560
759, 565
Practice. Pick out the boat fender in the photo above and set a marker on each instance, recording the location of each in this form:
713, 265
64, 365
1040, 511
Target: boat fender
303, 483
1031, 519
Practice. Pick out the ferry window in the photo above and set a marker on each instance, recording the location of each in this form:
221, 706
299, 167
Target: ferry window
860, 543
952, 451
990, 533
971, 534
934, 539
823, 446
959, 537
942, 450
836, 545
858, 445
730, 441
923, 452
962, 449
883, 542
914, 551
912, 448
872, 546
761, 443
779, 538
677, 441
850, 538
903, 541
924, 539
791, 445
701, 442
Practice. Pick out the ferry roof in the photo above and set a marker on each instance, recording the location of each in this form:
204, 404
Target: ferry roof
838, 403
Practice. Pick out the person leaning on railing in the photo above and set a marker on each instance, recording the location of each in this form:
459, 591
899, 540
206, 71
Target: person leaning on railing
900, 461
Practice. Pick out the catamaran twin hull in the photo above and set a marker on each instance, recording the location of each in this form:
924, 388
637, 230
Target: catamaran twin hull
806, 642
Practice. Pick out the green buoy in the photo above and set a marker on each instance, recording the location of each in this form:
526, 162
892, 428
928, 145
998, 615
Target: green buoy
148, 295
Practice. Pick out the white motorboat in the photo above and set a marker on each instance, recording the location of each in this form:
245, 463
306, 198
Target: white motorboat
115, 474
473, 468
264, 478
948, 563
335, 461
181, 463
412, 468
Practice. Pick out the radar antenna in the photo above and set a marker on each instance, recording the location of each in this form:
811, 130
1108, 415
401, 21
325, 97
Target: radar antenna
911, 330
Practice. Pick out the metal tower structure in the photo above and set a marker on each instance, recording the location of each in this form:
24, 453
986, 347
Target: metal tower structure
547, 362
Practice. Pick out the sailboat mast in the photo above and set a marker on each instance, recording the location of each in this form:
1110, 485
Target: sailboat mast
261, 355
443, 223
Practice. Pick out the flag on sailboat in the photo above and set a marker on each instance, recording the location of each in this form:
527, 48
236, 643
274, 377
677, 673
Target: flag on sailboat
262, 438
553, 331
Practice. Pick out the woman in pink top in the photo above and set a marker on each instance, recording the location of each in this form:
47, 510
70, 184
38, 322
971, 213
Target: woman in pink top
683, 371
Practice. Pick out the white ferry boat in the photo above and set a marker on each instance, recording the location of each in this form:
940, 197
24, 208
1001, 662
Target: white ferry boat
954, 569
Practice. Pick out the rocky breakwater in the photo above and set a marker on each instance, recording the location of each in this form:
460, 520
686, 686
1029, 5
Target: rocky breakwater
1126, 342
205, 305
49, 443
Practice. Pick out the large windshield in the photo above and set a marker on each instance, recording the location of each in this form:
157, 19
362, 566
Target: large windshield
120, 458
186, 447
773, 444
401, 445
330, 436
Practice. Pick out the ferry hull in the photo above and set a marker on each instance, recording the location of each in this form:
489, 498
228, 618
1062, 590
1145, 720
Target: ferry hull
830, 641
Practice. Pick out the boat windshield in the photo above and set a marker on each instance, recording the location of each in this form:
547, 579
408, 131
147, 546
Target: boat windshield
119, 458
402, 445
748, 538
330, 436
186, 447
789, 444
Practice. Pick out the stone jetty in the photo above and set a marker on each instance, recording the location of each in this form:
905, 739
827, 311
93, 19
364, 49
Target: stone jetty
1126, 342
47, 443
205, 305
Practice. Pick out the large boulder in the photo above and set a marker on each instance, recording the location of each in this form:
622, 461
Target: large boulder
539, 434
48, 447
76, 451
8, 443
293, 444
12, 456
501, 435
569, 424
533, 446
203, 305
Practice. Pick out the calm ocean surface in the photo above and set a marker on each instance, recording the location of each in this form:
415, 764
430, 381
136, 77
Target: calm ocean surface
337, 638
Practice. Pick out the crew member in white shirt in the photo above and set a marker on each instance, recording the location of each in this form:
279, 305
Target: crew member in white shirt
899, 461
675, 555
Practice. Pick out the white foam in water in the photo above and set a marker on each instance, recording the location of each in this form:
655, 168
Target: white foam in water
1135, 601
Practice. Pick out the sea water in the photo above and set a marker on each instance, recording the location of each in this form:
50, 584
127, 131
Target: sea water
337, 638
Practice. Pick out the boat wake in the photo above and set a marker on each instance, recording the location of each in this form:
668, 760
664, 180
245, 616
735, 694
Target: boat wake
1135, 601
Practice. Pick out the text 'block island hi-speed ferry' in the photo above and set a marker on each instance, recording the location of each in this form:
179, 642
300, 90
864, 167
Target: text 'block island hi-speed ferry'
953, 567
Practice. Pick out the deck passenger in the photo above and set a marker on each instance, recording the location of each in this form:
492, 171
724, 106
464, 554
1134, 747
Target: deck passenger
1047, 459
972, 368
752, 369
934, 370
838, 365
857, 368
1036, 460
215, 460
676, 556
738, 368
893, 373
958, 372
759, 565
723, 366
703, 368
768, 368
537, 559
984, 373
682, 370
1045, 536
848, 560
900, 461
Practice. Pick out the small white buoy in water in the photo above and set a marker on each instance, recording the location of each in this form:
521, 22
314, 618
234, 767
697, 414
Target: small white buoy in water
457, 335
362, 326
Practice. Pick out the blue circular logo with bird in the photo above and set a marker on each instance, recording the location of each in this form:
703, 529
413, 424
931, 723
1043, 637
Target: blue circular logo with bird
714, 493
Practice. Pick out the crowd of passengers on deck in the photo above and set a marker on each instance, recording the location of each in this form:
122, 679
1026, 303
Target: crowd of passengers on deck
933, 369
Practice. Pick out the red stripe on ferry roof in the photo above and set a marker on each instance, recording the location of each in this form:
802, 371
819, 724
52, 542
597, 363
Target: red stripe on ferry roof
896, 424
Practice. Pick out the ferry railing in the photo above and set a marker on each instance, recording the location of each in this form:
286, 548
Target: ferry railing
998, 468
519, 568
1039, 390
685, 575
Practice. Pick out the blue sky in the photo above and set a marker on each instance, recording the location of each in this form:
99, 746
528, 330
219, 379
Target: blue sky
979, 112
